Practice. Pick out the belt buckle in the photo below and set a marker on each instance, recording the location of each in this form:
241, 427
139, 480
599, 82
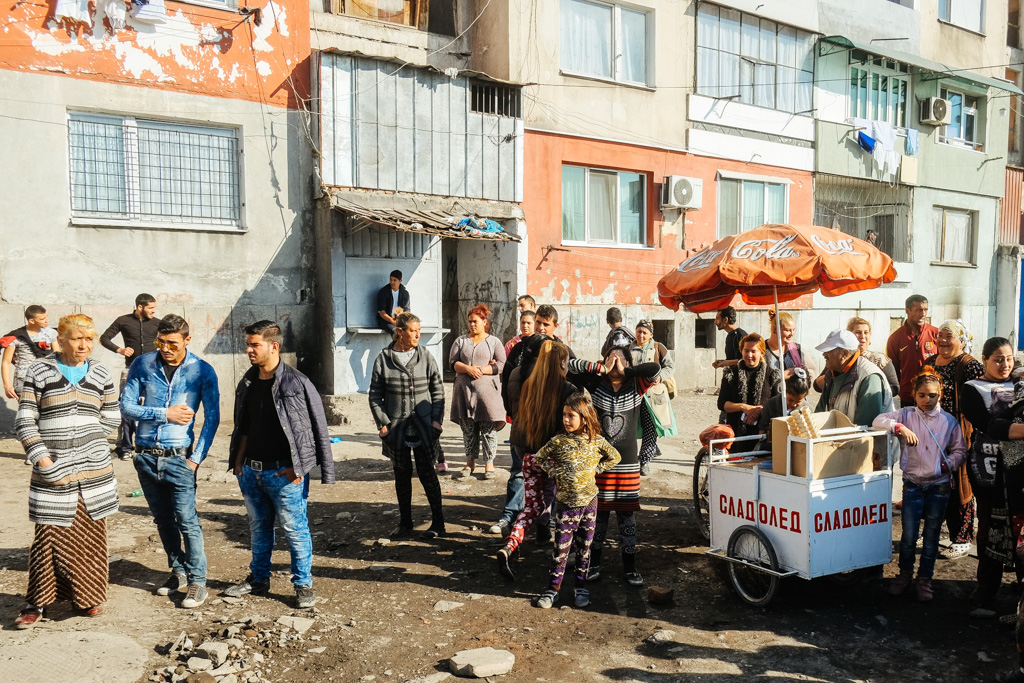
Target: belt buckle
256, 466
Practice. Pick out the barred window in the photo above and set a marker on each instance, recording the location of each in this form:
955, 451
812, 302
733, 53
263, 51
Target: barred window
129, 169
491, 98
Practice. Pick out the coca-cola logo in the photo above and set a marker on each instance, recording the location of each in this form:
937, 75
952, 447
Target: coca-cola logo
700, 260
838, 247
754, 250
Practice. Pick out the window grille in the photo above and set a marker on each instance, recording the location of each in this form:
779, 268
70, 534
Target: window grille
141, 170
492, 98
856, 206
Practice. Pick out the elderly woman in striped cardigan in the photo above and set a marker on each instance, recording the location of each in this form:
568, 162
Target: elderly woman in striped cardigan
68, 407
407, 402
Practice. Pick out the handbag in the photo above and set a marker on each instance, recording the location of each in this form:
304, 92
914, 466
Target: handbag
670, 382
658, 403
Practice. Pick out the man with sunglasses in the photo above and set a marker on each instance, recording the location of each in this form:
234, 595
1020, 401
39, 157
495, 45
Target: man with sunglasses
162, 394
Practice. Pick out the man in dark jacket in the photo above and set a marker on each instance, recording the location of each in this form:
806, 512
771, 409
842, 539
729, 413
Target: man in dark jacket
280, 436
138, 332
391, 296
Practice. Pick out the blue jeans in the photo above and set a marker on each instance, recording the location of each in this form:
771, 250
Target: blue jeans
929, 503
269, 495
515, 492
169, 485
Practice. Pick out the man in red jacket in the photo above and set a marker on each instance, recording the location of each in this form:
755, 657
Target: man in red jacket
911, 344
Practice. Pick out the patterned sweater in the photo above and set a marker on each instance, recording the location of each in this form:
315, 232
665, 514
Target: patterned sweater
69, 424
574, 461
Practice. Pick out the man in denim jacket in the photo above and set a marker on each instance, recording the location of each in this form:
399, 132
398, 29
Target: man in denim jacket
162, 394
280, 436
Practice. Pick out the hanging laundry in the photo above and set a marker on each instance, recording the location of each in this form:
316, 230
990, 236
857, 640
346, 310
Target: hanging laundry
862, 134
912, 142
150, 11
115, 11
76, 11
887, 159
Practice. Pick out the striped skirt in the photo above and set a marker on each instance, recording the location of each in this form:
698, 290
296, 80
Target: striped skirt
619, 488
69, 563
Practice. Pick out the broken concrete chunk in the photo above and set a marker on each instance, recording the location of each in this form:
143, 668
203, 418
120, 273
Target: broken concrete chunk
482, 662
446, 605
300, 624
216, 652
198, 663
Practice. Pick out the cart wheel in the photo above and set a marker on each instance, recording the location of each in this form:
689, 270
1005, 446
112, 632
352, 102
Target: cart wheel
754, 586
701, 496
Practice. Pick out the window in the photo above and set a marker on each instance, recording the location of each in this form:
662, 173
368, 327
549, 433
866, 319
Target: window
604, 207
493, 98
130, 169
857, 205
954, 235
760, 62
747, 204
878, 89
1013, 24
704, 334
605, 41
963, 120
435, 17
968, 14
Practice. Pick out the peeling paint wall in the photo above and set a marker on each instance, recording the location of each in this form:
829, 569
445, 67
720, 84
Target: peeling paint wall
198, 49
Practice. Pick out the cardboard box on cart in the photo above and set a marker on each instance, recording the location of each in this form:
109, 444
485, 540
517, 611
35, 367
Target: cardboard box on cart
831, 458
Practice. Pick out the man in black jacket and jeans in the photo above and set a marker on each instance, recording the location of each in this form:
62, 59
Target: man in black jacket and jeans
138, 332
280, 436
391, 296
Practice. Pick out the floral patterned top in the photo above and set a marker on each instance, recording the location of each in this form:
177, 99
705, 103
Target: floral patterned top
973, 369
574, 461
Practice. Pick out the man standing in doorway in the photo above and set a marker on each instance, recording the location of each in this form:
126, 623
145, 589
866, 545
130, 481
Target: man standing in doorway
138, 331
174, 381
911, 344
725, 321
391, 296
280, 436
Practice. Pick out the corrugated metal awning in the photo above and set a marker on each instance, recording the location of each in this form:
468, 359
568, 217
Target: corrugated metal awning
937, 68
428, 222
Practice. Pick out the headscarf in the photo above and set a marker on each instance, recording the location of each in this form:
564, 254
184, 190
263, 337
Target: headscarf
647, 324
958, 329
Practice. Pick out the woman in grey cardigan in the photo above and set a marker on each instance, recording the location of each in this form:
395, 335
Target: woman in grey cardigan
407, 401
647, 350
68, 407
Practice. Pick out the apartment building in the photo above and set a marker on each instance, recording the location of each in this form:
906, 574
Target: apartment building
160, 148
412, 142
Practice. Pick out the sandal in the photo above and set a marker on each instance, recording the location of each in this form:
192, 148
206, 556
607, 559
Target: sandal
91, 611
955, 551
441, 467
468, 470
28, 618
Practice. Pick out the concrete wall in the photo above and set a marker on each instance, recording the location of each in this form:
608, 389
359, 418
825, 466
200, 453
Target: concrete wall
874, 19
1008, 278
219, 280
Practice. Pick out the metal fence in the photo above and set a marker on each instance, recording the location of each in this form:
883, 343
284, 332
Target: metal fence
857, 206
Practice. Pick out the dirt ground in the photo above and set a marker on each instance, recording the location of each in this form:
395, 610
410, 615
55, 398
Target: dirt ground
376, 617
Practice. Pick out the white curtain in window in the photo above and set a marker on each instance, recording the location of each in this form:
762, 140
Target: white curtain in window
775, 204
574, 199
707, 26
707, 71
634, 46
753, 205
804, 91
967, 13
729, 31
187, 174
937, 215
750, 35
766, 40
786, 89
956, 114
602, 210
959, 237
631, 209
586, 36
97, 166
728, 207
764, 85
746, 88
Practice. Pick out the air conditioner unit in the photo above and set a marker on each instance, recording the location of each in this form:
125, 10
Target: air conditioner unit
678, 192
935, 111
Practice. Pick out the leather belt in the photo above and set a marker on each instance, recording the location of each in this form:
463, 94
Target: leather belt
165, 452
261, 466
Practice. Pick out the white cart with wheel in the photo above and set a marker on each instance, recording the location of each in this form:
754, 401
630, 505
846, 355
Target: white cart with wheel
768, 526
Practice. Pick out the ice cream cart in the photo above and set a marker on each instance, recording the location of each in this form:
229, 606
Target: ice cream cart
811, 506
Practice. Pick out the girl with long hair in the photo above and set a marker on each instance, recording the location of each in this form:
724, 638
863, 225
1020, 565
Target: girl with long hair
537, 418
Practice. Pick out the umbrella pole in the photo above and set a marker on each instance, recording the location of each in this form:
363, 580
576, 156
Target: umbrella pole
782, 353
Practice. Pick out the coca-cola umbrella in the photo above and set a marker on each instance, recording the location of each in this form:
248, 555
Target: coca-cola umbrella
775, 263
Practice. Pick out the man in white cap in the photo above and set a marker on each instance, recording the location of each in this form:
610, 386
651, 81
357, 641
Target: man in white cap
853, 385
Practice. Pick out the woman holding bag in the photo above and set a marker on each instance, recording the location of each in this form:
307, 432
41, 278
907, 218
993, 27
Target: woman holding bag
658, 397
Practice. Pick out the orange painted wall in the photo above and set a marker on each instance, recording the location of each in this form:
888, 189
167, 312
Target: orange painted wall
608, 276
200, 49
